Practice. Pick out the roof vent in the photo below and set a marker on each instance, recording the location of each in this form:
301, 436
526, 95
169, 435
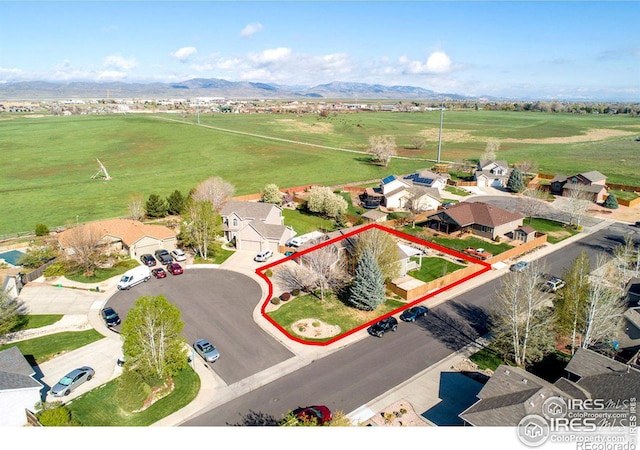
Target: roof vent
541, 394
506, 371
524, 380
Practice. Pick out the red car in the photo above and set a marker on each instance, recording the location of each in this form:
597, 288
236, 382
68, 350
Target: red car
320, 413
159, 272
174, 269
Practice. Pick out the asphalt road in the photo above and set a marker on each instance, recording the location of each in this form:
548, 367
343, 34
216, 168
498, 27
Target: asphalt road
351, 377
217, 305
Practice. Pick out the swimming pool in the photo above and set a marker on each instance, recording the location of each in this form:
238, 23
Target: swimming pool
12, 256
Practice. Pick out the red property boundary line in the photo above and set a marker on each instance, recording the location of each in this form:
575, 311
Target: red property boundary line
260, 271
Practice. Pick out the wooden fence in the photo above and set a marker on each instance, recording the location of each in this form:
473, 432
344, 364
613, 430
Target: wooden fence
37, 273
539, 240
32, 420
422, 290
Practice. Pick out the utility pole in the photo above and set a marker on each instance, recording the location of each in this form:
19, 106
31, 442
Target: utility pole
440, 134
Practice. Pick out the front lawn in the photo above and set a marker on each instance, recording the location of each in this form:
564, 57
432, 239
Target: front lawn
487, 358
433, 268
30, 321
555, 231
97, 407
46, 347
220, 256
332, 311
304, 222
457, 191
100, 274
352, 210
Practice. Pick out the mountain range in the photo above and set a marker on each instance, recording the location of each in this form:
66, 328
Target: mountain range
213, 87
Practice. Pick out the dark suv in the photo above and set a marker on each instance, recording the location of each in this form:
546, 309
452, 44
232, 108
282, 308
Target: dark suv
380, 328
164, 257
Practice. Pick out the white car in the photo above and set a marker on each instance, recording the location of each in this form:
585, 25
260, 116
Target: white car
263, 256
298, 241
178, 255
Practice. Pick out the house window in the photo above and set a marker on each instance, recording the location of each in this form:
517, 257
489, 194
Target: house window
235, 222
574, 181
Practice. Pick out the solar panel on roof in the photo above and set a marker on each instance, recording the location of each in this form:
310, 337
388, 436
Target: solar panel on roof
388, 179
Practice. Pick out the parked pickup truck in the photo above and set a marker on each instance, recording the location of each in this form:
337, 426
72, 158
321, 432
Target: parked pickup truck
479, 253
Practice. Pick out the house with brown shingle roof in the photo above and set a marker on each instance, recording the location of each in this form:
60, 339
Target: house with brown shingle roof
121, 236
480, 218
592, 183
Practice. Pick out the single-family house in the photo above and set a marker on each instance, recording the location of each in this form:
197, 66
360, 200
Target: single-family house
512, 393
19, 390
400, 194
491, 173
479, 218
593, 184
428, 179
395, 191
120, 236
254, 226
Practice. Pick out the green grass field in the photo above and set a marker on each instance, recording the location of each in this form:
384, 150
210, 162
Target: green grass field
47, 162
433, 268
44, 348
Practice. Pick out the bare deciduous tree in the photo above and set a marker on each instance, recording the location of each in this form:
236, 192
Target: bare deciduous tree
214, 190
415, 202
10, 308
417, 143
532, 202
136, 207
321, 270
383, 247
577, 204
520, 321
84, 243
382, 149
570, 302
491, 151
528, 166
605, 306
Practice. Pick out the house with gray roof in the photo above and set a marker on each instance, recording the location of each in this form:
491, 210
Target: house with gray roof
18, 389
254, 226
480, 218
513, 393
593, 184
491, 173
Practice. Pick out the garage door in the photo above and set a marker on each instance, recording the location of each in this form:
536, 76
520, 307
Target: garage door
250, 245
146, 249
481, 182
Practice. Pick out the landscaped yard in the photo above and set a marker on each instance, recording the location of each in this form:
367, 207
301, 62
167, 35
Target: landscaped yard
457, 191
97, 407
46, 347
471, 241
304, 222
555, 231
220, 256
30, 321
624, 195
332, 311
433, 268
103, 274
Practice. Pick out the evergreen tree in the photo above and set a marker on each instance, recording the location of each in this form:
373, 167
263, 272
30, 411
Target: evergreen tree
367, 291
175, 203
515, 182
156, 207
611, 202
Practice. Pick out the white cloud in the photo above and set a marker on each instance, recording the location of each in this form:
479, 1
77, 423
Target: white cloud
438, 62
184, 53
251, 29
111, 75
271, 55
118, 62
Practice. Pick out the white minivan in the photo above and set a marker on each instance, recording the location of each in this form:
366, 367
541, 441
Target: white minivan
134, 276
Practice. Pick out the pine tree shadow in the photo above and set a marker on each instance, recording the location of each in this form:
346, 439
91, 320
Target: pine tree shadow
255, 419
457, 328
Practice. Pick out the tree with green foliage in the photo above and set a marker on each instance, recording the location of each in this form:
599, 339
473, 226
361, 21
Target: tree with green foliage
323, 201
41, 229
176, 203
37, 256
382, 246
271, 194
200, 228
54, 414
153, 343
571, 301
9, 312
515, 182
367, 291
156, 207
611, 201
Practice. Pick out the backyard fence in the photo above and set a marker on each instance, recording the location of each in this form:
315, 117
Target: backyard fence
37, 273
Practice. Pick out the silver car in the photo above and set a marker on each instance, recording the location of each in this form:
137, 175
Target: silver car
72, 380
208, 352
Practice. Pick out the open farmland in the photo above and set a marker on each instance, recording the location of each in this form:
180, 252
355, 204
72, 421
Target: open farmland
47, 162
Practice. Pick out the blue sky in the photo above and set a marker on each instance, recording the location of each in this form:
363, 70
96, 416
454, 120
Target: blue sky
519, 49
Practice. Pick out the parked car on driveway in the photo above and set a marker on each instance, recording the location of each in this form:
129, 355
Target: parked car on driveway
159, 272
71, 381
519, 266
111, 318
479, 253
174, 269
263, 256
205, 349
164, 257
148, 260
320, 413
178, 255
411, 314
298, 241
381, 327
